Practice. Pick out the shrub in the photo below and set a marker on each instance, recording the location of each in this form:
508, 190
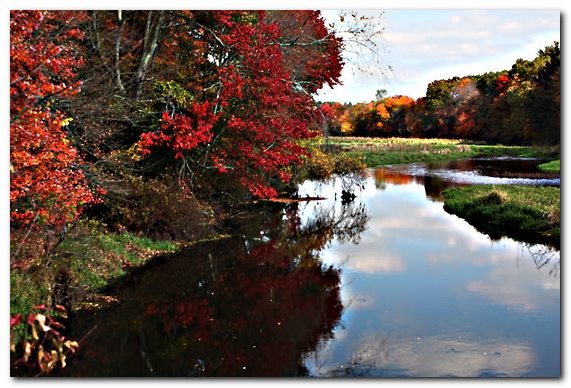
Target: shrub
319, 165
345, 164
159, 209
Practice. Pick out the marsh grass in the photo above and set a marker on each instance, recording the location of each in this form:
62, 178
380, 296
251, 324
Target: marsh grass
525, 213
375, 152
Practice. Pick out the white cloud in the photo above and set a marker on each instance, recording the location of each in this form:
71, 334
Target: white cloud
422, 46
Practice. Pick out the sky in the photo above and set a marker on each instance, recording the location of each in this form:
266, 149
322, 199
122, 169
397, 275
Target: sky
421, 46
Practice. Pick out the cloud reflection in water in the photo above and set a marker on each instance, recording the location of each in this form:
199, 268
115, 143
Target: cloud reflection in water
426, 294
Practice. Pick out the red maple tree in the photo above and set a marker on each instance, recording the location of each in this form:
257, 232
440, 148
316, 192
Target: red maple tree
255, 105
47, 186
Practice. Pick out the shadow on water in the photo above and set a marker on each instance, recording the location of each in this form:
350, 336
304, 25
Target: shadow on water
248, 305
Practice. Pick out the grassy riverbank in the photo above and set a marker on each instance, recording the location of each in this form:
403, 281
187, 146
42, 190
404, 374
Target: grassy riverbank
387, 151
552, 167
85, 261
529, 213
526, 213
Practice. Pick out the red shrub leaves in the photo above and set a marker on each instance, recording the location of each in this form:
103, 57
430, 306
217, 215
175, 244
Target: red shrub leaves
181, 132
46, 185
261, 105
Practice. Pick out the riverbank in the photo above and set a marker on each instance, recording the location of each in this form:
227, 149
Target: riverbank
84, 264
551, 167
74, 279
375, 152
530, 213
525, 213
93, 254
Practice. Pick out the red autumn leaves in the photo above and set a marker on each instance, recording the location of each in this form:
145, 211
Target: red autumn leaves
252, 125
46, 184
249, 75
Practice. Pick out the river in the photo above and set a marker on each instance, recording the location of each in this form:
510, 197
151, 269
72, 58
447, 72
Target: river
385, 284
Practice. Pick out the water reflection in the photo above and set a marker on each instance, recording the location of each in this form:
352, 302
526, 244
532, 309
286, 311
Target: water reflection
436, 176
385, 284
438, 356
543, 257
244, 306
425, 294
433, 185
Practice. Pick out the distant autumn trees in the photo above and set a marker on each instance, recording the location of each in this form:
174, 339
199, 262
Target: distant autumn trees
520, 106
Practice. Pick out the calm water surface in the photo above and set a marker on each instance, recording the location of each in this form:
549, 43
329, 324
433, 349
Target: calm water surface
388, 284
425, 294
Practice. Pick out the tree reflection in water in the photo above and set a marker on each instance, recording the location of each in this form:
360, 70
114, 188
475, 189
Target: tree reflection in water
543, 256
242, 306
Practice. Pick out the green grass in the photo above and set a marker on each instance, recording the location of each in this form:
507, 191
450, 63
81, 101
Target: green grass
110, 255
388, 151
552, 167
25, 292
90, 257
525, 213
123, 244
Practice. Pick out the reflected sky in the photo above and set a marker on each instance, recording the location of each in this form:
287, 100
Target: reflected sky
438, 356
425, 294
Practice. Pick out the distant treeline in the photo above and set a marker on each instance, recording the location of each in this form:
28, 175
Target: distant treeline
520, 106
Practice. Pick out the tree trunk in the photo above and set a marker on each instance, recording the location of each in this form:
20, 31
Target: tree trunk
150, 43
118, 39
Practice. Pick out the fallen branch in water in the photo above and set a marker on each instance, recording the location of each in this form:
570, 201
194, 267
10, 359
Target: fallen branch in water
291, 200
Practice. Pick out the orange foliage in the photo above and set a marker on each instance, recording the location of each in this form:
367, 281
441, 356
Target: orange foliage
384, 175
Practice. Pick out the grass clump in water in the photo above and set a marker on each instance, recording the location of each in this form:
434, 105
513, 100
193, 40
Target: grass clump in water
552, 167
524, 213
